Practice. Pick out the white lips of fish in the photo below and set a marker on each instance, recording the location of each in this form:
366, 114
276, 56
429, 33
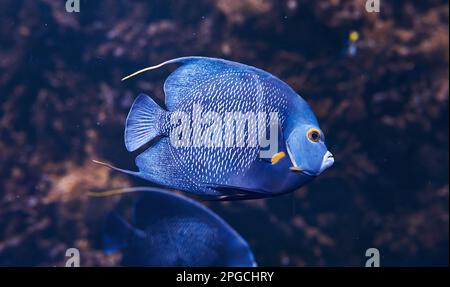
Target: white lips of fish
327, 162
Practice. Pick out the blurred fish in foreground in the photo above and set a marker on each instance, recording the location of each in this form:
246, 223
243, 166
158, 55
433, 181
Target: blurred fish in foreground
171, 230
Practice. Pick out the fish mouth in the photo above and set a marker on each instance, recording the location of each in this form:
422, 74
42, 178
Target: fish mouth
327, 162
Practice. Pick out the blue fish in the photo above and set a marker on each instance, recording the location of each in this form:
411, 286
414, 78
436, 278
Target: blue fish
225, 103
171, 230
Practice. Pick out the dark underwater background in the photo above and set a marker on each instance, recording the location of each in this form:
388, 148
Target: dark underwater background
384, 111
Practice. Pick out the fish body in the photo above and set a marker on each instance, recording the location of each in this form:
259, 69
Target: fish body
171, 230
206, 142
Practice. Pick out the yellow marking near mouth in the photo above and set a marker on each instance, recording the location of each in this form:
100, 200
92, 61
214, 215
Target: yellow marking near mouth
295, 168
276, 157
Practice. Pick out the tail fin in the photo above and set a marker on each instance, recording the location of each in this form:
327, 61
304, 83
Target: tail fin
117, 233
143, 122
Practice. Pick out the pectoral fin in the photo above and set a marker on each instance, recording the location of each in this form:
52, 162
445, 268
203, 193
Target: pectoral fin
277, 157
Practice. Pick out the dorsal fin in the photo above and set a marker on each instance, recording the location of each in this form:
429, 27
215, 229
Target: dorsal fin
194, 71
189, 76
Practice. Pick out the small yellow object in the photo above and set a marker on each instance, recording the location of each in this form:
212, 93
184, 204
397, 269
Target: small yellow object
353, 36
276, 157
295, 168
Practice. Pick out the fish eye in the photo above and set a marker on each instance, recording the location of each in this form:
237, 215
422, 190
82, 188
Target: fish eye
313, 135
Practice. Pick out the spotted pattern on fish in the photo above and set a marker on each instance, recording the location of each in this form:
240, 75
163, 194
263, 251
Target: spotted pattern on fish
245, 92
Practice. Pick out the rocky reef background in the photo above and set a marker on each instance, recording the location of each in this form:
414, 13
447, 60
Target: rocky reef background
384, 111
